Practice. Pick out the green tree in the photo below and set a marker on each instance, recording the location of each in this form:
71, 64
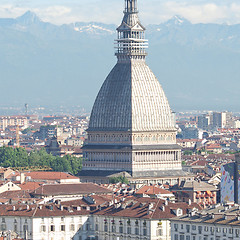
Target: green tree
120, 179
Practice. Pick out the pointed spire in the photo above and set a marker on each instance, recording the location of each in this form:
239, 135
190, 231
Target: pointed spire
131, 42
130, 6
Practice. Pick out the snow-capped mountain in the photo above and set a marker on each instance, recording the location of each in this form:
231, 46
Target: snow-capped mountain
197, 64
93, 28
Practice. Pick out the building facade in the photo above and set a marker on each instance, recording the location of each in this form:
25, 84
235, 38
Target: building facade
217, 223
135, 218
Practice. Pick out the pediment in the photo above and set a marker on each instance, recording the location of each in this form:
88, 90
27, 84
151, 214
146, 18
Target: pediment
136, 27
123, 27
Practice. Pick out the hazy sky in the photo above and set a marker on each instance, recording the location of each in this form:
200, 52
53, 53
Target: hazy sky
110, 11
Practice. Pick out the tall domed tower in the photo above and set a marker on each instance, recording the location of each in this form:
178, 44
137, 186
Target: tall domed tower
131, 125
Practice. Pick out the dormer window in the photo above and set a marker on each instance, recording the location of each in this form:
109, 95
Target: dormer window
179, 212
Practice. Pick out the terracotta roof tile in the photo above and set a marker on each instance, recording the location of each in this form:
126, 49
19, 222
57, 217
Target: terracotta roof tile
77, 188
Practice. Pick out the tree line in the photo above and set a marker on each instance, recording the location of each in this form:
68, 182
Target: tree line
19, 158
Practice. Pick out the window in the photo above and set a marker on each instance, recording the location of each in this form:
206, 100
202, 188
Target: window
175, 237
52, 228
62, 228
136, 230
194, 227
205, 238
129, 230
15, 227
105, 228
25, 228
87, 227
121, 229
187, 237
96, 227
230, 230
206, 229
113, 229
72, 227
3, 226
144, 232
188, 228
43, 228
199, 229
181, 237
175, 227
160, 232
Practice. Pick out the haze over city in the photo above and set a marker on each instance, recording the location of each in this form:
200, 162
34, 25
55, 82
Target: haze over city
53, 63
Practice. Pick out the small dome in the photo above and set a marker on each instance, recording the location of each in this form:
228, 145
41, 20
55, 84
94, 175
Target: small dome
131, 99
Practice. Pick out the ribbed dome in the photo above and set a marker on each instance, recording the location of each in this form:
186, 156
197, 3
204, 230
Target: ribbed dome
131, 99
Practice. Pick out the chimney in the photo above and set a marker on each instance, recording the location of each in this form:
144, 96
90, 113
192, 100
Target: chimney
13, 208
40, 207
189, 202
22, 178
27, 207
166, 202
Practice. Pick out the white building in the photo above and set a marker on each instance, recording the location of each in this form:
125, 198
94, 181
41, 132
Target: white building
93, 218
46, 222
138, 218
215, 223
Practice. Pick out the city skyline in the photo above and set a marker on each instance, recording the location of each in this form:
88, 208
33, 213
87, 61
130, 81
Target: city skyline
155, 11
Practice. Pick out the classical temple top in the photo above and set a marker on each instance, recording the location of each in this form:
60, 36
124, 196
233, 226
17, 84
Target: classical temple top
131, 42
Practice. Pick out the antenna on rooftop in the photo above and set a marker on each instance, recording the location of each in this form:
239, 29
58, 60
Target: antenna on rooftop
26, 109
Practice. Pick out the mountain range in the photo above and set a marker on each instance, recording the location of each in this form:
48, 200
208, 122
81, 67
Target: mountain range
45, 64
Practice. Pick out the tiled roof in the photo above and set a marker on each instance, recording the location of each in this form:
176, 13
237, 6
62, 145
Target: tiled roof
50, 175
146, 208
30, 186
69, 189
15, 194
224, 215
35, 210
152, 190
199, 186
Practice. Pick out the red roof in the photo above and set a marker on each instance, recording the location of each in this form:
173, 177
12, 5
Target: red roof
49, 175
145, 208
30, 186
152, 190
